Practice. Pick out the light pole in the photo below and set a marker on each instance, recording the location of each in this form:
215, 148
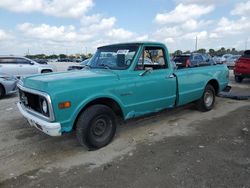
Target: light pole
196, 43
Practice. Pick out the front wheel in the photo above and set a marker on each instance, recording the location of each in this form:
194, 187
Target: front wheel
206, 102
238, 79
2, 91
96, 126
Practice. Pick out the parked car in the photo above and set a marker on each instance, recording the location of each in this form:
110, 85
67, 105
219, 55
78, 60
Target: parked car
242, 67
225, 57
78, 67
193, 60
217, 59
22, 66
7, 84
116, 84
230, 61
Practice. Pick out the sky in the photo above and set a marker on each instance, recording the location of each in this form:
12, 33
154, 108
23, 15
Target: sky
79, 26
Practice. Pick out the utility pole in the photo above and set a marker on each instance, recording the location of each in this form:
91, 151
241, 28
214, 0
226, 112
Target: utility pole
246, 44
196, 43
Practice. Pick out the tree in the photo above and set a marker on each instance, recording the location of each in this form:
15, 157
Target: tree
187, 52
62, 56
177, 52
212, 52
203, 51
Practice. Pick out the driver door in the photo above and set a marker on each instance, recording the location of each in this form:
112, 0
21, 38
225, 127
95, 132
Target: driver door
155, 82
26, 67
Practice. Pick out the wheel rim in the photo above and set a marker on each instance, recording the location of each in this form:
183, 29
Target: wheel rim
101, 127
208, 98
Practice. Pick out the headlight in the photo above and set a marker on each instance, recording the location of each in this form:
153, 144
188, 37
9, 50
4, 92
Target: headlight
44, 106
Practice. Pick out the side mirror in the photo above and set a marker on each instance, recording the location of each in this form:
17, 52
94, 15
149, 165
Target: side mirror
147, 70
31, 63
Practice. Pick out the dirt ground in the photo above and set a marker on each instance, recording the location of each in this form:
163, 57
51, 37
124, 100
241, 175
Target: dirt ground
176, 148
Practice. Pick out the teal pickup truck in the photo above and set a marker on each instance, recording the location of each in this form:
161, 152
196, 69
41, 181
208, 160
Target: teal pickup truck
121, 80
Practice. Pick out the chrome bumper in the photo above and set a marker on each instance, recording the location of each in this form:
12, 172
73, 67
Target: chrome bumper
52, 129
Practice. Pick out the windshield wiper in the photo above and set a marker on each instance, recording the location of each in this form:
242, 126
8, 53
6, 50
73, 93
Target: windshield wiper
87, 66
108, 68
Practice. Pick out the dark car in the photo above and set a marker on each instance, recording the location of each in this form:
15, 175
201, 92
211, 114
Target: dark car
193, 60
78, 67
242, 67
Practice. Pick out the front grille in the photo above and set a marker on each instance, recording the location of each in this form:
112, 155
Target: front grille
31, 101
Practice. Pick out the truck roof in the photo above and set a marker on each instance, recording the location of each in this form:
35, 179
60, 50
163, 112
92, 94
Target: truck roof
134, 43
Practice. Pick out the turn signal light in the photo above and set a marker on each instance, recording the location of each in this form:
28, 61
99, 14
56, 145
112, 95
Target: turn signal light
63, 105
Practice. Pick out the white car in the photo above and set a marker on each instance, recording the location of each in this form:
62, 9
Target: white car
8, 84
22, 66
230, 62
225, 57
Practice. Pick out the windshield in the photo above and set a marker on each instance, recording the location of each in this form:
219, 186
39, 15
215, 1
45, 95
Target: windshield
85, 62
116, 57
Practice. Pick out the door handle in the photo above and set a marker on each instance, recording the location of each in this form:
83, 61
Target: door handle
171, 76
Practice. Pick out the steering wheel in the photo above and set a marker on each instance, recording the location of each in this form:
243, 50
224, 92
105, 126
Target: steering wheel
128, 61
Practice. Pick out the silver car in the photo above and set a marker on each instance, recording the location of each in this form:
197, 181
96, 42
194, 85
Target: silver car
230, 62
7, 84
22, 66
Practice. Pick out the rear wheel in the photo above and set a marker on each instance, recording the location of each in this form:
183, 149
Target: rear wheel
238, 79
96, 126
206, 102
2, 91
46, 71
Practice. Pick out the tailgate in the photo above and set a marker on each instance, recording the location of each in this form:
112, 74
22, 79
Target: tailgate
243, 66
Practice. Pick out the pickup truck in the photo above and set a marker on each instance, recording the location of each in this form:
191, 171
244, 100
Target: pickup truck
242, 67
116, 83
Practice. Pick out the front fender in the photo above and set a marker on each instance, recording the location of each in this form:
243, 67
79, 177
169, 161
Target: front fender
68, 125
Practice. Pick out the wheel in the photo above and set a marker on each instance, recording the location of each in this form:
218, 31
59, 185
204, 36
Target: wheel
238, 79
96, 126
2, 91
206, 102
46, 71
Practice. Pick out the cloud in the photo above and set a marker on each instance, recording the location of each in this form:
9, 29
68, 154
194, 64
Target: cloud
4, 35
58, 8
120, 34
242, 9
202, 2
47, 32
183, 13
232, 27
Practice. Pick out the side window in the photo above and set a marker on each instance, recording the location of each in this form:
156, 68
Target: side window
152, 57
22, 61
7, 61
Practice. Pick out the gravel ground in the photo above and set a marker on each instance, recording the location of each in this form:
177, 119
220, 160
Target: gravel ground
175, 148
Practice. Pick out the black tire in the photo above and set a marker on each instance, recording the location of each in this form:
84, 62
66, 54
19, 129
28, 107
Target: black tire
2, 91
206, 102
46, 71
238, 79
96, 126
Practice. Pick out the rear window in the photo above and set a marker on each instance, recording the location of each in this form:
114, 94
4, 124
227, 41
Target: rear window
7, 60
180, 61
246, 54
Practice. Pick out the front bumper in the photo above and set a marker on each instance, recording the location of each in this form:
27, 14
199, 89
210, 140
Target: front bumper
52, 129
10, 86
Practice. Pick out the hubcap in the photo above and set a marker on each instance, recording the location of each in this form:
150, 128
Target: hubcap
208, 98
99, 127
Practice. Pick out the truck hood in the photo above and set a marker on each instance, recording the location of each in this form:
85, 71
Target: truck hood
63, 80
